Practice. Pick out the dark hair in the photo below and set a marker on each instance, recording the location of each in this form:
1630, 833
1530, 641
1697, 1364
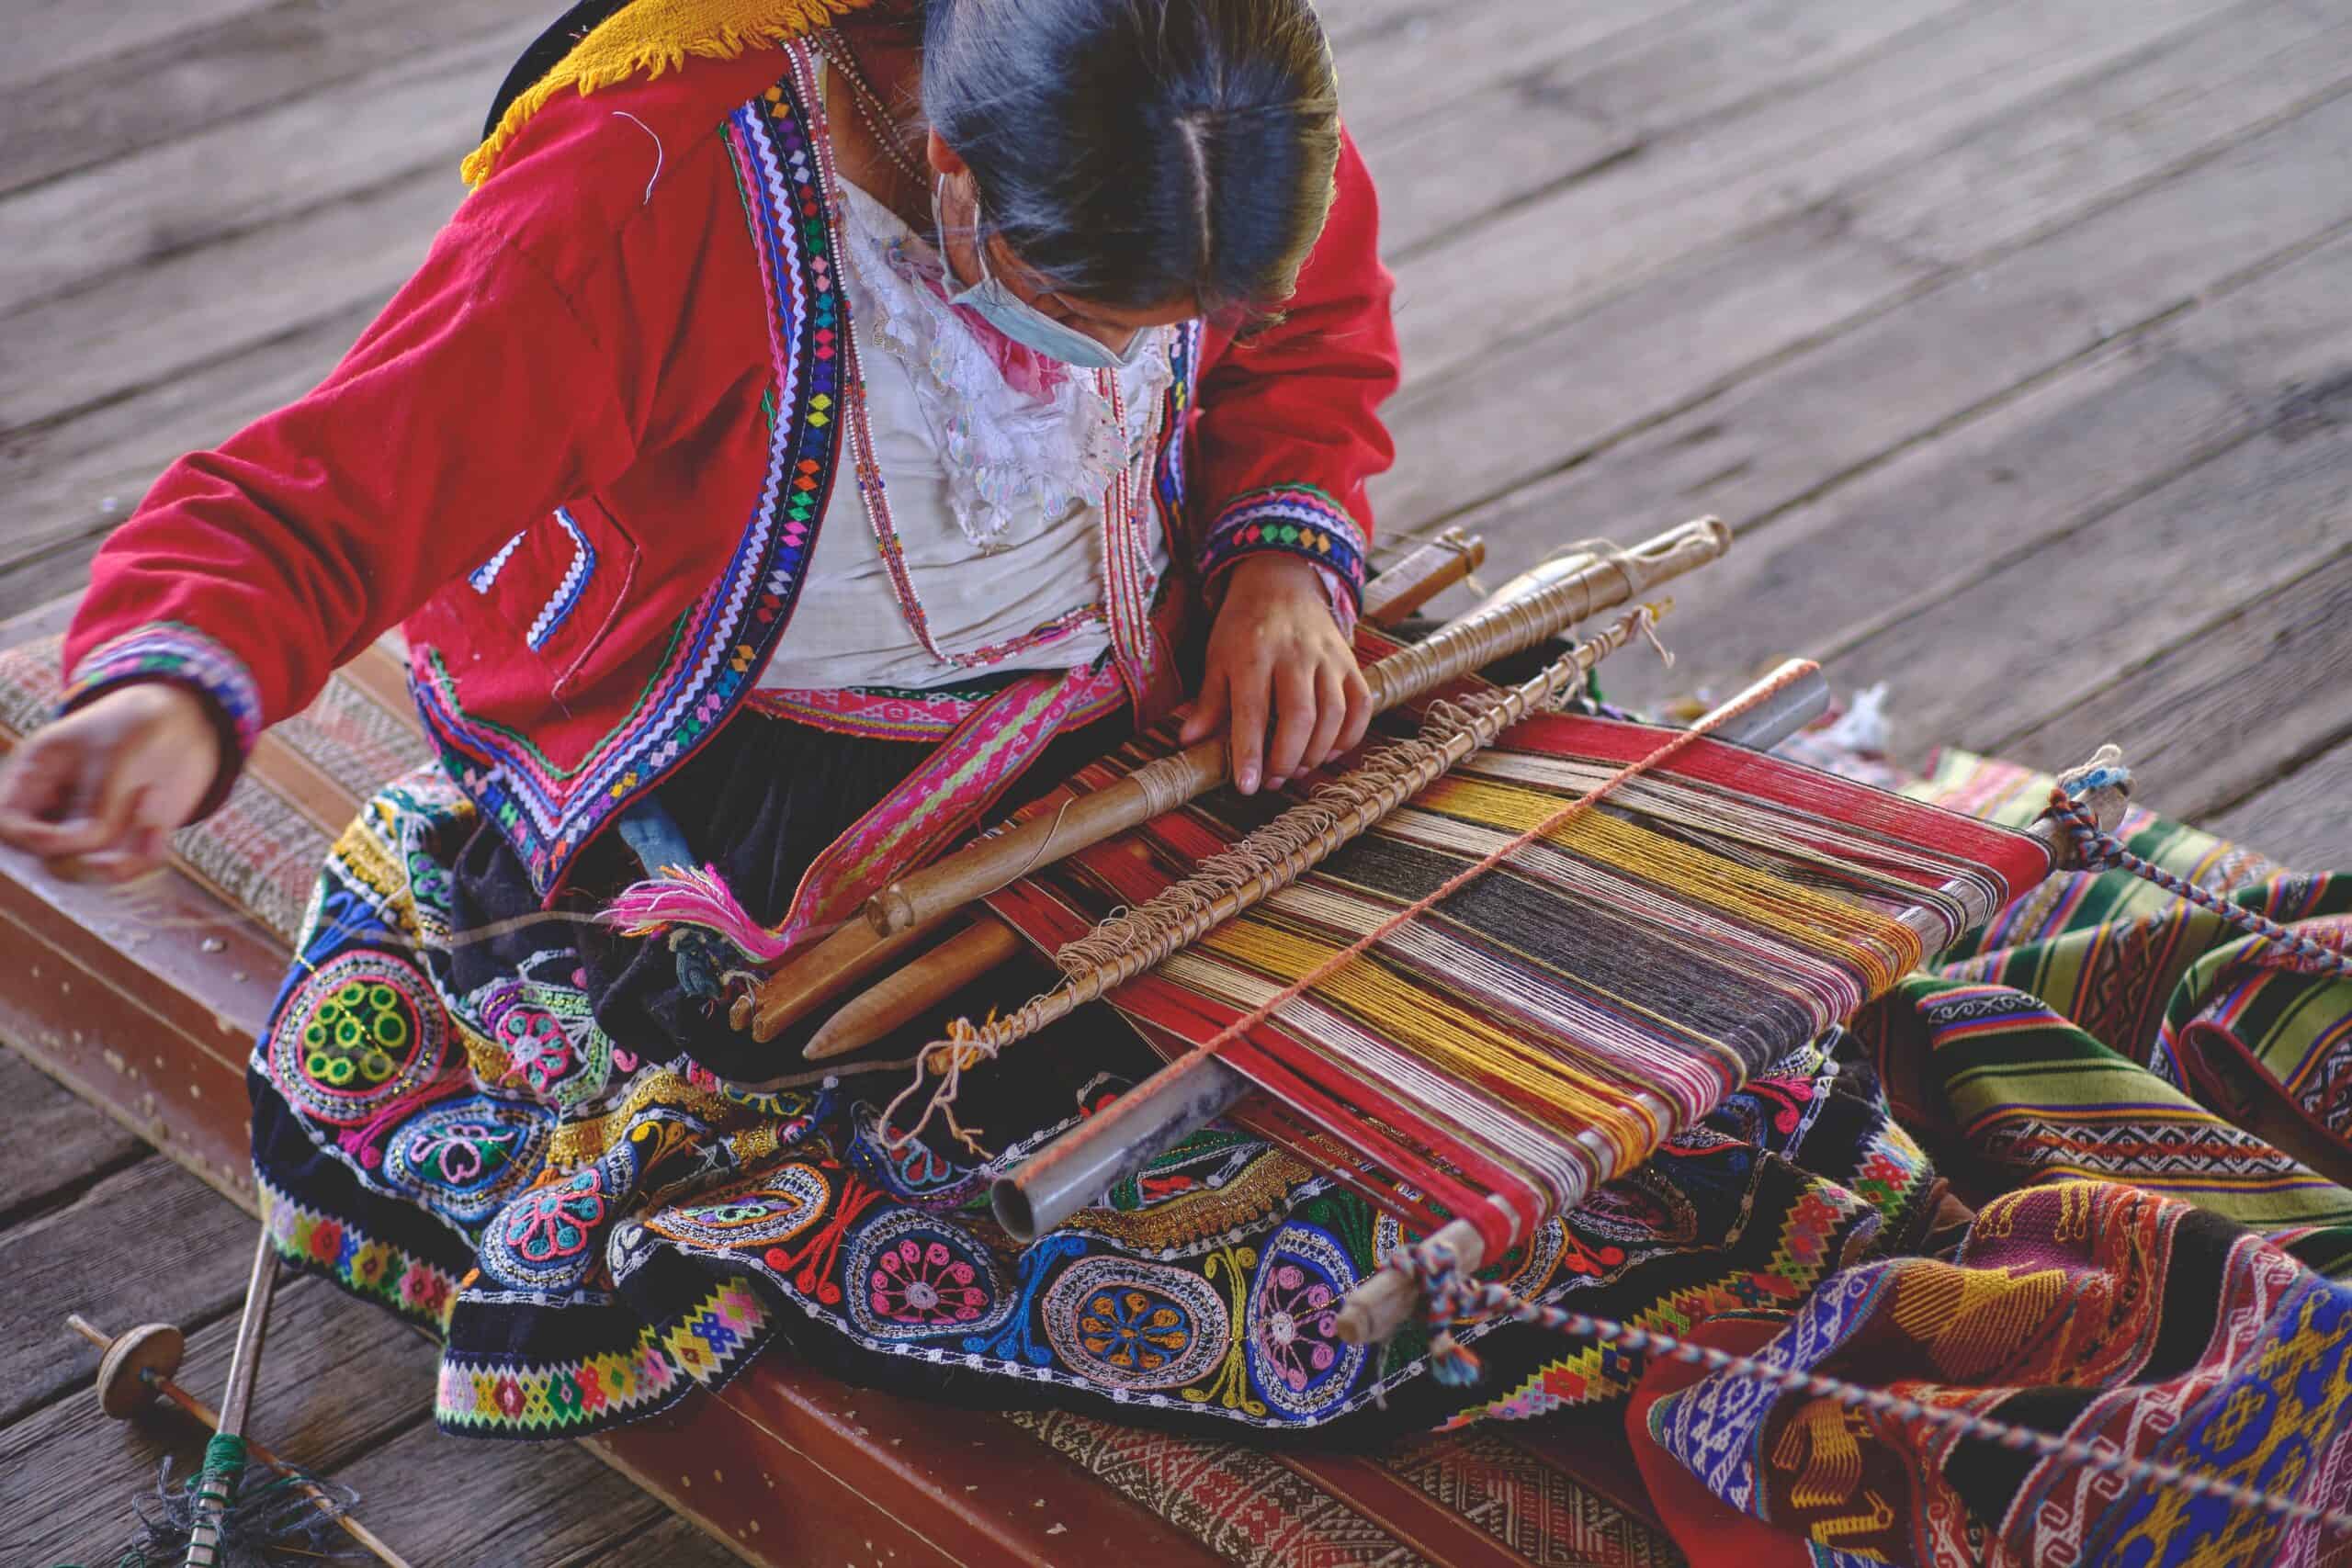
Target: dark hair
1138, 152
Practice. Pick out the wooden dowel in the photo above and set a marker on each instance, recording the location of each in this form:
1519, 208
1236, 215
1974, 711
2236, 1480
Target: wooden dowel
1461, 648
812, 978
815, 976
173, 1392
917, 988
1421, 576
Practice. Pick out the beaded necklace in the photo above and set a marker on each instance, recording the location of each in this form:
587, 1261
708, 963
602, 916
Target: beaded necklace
1126, 541
870, 107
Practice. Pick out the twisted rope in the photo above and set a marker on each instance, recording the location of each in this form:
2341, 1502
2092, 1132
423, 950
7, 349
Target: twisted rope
2097, 850
1451, 1295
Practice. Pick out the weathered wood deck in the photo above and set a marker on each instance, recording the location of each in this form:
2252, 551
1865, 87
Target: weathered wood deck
2014, 338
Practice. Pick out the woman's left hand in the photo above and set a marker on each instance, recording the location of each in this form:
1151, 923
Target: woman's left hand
1278, 660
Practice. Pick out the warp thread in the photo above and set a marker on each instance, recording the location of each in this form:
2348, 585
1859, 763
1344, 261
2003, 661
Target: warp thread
1133, 940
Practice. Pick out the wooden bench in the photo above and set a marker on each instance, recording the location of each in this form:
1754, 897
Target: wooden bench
145, 1003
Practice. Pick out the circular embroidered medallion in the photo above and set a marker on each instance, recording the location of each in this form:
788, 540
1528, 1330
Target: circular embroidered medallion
464, 1157
1122, 1323
764, 1211
912, 1276
1526, 1269
546, 1237
362, 1031
1296, 1358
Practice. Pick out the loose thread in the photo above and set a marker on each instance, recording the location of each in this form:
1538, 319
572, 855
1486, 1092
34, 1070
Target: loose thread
1432, 1266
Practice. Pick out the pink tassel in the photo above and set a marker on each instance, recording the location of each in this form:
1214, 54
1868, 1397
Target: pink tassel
681, 899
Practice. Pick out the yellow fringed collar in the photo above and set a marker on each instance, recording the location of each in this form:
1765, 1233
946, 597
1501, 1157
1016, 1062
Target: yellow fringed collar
648, 36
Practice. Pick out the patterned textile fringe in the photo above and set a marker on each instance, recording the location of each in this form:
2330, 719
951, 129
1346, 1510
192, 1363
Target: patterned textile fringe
1261, 864
1432, 1266
681, 900
648, 37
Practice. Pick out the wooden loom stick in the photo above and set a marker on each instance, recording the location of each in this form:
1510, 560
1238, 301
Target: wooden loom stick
1260, 865
1421, 577
224, 1455
1460, 649
826, 968
799, 989
1381, 1305
1373, 790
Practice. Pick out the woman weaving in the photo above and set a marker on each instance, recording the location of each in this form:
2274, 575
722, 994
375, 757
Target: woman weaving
1034, 341
816, 436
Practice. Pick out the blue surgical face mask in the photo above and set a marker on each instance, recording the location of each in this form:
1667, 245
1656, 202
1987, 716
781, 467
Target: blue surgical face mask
1018, 320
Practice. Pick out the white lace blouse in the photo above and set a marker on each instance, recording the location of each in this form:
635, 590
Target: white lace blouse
995, 493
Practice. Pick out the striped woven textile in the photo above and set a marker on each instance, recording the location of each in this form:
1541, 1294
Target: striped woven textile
1552, 1023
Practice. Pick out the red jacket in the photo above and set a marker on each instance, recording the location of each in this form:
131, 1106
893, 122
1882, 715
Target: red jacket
585, 451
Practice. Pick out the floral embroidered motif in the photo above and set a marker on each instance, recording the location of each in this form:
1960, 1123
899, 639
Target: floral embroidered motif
1296, 1358
556, 1222
465, 1157
1128, 1324
912, 1276
363, 1032
769, 1208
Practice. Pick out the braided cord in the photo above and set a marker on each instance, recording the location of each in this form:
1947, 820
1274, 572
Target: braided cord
1451, 1295
2096, 850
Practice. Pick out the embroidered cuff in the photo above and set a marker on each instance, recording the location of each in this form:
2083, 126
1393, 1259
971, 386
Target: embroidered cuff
184, 657
1295, 520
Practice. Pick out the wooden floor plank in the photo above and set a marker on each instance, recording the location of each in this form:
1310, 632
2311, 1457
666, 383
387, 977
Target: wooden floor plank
1905, 367
1879, 548
270, 51
338, 1378
63, 487
149, 1242
669, 1543
1547, 117
2211, 720
2301, 820
179, 193
144, 327
437, 1499
54, 1144
1548, 260
2010, 648
48, 37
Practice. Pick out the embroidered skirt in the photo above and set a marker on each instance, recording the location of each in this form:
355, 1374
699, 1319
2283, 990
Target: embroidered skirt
522, 1133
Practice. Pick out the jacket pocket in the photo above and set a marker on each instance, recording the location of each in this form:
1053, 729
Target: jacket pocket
560, 584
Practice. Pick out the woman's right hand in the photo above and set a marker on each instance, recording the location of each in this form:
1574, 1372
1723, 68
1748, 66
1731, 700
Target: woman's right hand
98, 794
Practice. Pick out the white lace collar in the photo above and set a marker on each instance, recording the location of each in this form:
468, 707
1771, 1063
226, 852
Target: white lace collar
1008, 454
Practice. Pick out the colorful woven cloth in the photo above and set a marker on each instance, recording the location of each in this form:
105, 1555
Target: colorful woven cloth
2191, 1316
2102, 1312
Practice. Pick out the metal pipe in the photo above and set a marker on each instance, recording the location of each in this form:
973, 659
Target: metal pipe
1118, 1141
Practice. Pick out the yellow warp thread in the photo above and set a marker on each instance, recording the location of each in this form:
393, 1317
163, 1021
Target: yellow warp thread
1819, 922
1451, 1038
645, 39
